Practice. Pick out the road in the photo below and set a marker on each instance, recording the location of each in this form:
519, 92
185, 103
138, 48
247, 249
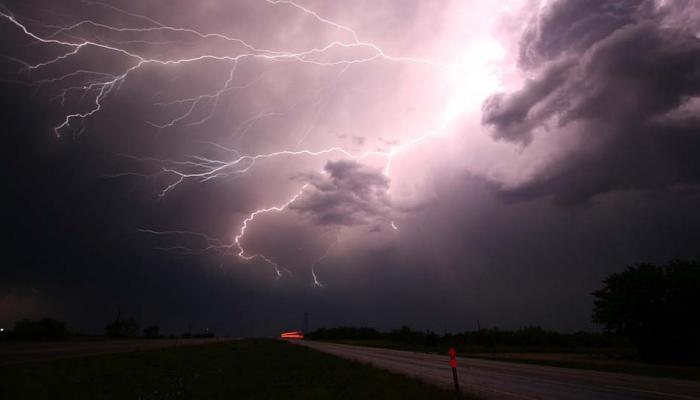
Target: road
487, 379
22, 352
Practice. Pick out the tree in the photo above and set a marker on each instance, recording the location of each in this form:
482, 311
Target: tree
656, 307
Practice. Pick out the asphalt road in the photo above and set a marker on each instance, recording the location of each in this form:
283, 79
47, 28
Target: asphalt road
503, 380
22, 352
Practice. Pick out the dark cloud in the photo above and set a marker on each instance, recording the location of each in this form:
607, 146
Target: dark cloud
623, 81
349, 193
515, 115
573, 26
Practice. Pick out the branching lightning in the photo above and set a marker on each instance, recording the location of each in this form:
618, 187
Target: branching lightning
97, 85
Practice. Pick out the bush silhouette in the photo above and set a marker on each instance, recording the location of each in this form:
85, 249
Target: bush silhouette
152, 332
122, 328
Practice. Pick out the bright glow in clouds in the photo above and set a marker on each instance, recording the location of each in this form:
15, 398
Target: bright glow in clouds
444, 73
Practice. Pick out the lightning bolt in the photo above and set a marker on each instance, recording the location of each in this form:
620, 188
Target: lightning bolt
98, 85
315, 281
237, 239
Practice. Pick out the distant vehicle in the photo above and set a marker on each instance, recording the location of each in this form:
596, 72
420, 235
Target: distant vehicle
292, 335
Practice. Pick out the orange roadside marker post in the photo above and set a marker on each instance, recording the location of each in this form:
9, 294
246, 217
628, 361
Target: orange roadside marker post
453, 363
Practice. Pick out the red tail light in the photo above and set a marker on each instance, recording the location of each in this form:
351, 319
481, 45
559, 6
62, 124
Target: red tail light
292, 335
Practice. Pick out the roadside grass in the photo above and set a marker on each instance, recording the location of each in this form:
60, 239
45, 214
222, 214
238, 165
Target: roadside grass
245, 369
603, 365
623, 360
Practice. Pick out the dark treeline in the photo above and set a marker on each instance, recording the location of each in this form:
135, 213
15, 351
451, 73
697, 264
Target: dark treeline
528, 337
49, 329
43, 329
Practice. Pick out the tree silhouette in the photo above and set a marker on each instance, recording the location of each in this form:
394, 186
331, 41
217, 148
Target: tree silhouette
656, 306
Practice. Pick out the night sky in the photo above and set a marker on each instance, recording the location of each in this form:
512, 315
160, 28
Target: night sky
234, 164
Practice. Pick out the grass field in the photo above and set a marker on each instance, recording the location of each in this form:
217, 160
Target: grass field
246, 369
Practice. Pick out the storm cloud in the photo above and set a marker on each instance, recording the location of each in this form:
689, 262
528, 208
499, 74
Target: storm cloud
349, 193
622, 81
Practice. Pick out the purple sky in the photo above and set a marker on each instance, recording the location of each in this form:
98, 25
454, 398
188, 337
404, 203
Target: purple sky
236, 163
